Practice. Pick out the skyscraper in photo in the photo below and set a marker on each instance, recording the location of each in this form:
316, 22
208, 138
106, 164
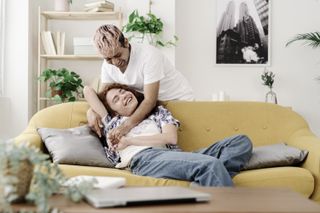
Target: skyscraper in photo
263, 12
227, 18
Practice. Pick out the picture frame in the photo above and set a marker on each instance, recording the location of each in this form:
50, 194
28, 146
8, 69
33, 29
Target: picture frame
243, 32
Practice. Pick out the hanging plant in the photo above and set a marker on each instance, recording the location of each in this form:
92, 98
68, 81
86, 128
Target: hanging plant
149, 26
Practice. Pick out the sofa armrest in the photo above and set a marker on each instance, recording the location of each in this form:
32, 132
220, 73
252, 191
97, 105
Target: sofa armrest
311, 143
30, 136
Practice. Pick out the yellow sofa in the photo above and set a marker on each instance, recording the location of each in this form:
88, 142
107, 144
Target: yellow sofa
202, 124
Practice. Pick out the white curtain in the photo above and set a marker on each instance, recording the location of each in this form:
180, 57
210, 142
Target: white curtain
2, 28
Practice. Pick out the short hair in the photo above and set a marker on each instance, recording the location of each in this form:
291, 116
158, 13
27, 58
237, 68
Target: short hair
108, 36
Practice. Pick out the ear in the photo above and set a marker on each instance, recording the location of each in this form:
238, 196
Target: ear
126, 43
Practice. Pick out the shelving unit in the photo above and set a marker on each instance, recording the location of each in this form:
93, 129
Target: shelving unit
43, 59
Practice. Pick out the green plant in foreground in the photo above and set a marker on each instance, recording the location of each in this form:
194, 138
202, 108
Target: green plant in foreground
268, 78
64, 85
149, 26
42, 181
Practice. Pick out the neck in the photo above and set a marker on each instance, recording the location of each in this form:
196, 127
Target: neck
128, 59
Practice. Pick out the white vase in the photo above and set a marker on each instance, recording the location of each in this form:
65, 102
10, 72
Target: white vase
61, 5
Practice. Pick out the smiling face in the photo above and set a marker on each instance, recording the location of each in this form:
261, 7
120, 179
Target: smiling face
113, 46
121, 101
117, 56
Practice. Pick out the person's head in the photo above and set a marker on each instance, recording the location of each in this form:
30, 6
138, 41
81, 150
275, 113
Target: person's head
120, 99
113, 46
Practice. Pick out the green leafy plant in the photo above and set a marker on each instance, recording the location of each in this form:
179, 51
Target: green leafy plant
64, 85
311, 39
268, 78
28, 174
149, 26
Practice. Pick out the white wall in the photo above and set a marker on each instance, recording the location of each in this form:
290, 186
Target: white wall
16, 108
296, 66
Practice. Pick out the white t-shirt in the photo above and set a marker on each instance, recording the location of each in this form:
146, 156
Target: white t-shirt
148, 65
145, 128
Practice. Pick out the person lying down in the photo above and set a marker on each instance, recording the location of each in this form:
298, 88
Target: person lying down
151, 147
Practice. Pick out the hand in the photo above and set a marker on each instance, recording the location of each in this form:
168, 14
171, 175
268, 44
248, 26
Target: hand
116, 134
123, 143
94, 122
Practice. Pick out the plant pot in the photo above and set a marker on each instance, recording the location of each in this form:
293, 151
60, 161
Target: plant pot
22, 185
62, 5
55, 92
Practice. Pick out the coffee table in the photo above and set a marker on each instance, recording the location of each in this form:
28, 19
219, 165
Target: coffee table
224, 200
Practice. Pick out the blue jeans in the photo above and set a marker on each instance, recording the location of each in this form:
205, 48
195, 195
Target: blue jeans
212, 166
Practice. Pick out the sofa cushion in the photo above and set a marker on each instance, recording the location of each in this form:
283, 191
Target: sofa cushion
297, 179
275, 155
294, 178
74, 146
131, 179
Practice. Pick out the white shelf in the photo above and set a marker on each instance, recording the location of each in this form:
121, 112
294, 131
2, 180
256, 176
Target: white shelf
81, 15
71, 57
44, 60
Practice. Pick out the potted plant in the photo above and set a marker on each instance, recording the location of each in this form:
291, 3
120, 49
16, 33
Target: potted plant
267, 78
28, 174
149, 26
64, 85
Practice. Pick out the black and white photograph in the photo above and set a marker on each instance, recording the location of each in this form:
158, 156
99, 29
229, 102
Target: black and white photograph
242, 32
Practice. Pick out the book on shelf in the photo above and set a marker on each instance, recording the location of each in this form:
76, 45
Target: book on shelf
53, 42
105, 4
45, 43
48, 43
99, 9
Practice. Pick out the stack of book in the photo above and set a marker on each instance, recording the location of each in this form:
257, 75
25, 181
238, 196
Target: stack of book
99, 6
84, 46
53, 42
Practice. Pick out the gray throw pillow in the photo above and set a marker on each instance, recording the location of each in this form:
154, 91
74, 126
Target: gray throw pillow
275, 155
74, 146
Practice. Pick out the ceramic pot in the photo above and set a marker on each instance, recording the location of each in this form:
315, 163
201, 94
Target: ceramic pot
61, 5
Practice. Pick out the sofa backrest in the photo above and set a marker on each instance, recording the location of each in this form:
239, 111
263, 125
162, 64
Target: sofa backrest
65, 115
202, 123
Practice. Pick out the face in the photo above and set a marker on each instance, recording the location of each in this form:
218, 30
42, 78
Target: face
118, 56
121, 101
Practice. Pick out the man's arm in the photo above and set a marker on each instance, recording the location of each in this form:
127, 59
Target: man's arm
97, 110
168, 136
150, 99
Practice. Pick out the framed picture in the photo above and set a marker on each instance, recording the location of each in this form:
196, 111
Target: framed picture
242, 32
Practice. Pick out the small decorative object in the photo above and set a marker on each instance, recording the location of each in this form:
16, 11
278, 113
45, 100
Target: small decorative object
268, 80
62, 5
64, 86
27, 174
148, 27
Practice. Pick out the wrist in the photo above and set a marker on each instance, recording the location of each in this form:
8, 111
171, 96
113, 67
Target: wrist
127, 141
